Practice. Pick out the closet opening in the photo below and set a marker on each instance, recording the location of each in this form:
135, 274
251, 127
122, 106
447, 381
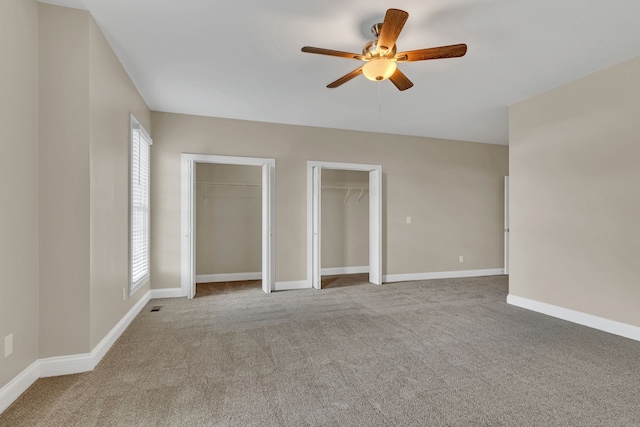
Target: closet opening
228, 200
345, 228
344, 223
227, 214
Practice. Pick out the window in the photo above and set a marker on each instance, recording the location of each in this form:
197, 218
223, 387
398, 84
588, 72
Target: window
139, 206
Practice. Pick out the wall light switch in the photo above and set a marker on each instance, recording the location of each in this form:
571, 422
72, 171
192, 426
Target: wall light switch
408, 220
461, 258
8, 345
124, 294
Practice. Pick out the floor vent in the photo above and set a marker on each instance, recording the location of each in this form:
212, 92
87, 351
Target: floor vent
156, 308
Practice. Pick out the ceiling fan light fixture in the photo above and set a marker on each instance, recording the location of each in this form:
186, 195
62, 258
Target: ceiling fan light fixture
379, 69
380, 55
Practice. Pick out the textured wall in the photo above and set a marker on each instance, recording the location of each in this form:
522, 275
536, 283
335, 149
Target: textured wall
64, 123
345, 224
228, 219
18, 184
113, 98
65, 133
86, 99
453, 190
575, 199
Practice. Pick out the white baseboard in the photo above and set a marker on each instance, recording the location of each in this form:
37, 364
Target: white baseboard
228, 277
14, 388
76, 363
64, 365
292, 285
595, 322
167, 293
390, 278
333, 271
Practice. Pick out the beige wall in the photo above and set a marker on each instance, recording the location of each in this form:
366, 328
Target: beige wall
453, 191
84, 109
345, 224
575, 199
18, 184
64, 128
113, 97
228, 219
63, 180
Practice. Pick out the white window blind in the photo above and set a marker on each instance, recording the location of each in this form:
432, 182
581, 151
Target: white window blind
139, 203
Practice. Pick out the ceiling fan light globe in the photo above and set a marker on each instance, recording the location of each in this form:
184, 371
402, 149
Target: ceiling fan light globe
379, 69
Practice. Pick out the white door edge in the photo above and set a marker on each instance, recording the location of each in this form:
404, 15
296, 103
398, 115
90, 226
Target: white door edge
316, 249
506, 225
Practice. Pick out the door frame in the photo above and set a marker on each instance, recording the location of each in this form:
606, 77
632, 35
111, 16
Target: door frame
314, 232
506, 225
188, 249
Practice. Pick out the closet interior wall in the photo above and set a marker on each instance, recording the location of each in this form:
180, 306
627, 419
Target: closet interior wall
345, 219
228, 219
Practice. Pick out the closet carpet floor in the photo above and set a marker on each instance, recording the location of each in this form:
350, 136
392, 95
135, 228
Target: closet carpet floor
425, 353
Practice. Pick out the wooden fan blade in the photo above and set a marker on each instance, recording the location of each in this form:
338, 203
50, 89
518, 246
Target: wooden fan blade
342, 80
320, 51
401, 81
393, 22
453, 51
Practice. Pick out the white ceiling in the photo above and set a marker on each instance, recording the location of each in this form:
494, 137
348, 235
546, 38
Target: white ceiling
241, 59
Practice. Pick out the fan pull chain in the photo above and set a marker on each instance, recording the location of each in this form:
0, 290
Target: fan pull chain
379, 101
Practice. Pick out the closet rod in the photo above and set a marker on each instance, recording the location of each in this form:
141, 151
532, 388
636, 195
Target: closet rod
229, 184
345, 188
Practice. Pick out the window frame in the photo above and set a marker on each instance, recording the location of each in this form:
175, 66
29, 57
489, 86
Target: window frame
143, 137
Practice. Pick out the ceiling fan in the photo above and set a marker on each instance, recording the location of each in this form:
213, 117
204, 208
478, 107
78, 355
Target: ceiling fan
381, 57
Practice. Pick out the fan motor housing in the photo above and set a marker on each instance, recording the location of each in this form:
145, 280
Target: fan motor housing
370, 50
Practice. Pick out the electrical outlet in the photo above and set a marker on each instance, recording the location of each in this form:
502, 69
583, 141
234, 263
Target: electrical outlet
124, 294
461, 258
8, 345
408, 220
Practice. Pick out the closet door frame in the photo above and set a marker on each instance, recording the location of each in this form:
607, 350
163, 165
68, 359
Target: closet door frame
506, 225
187, 252
314, 220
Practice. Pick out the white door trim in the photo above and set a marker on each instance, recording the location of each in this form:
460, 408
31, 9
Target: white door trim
375, 226
187, 239
313, 218
316, 215
506, 225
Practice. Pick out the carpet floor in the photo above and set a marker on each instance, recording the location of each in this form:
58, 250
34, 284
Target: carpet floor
425, 353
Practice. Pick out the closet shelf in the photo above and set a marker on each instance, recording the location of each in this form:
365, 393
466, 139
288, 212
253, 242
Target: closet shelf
349, 190
229, 184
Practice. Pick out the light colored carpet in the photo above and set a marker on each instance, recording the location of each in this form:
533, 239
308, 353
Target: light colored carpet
427, 353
